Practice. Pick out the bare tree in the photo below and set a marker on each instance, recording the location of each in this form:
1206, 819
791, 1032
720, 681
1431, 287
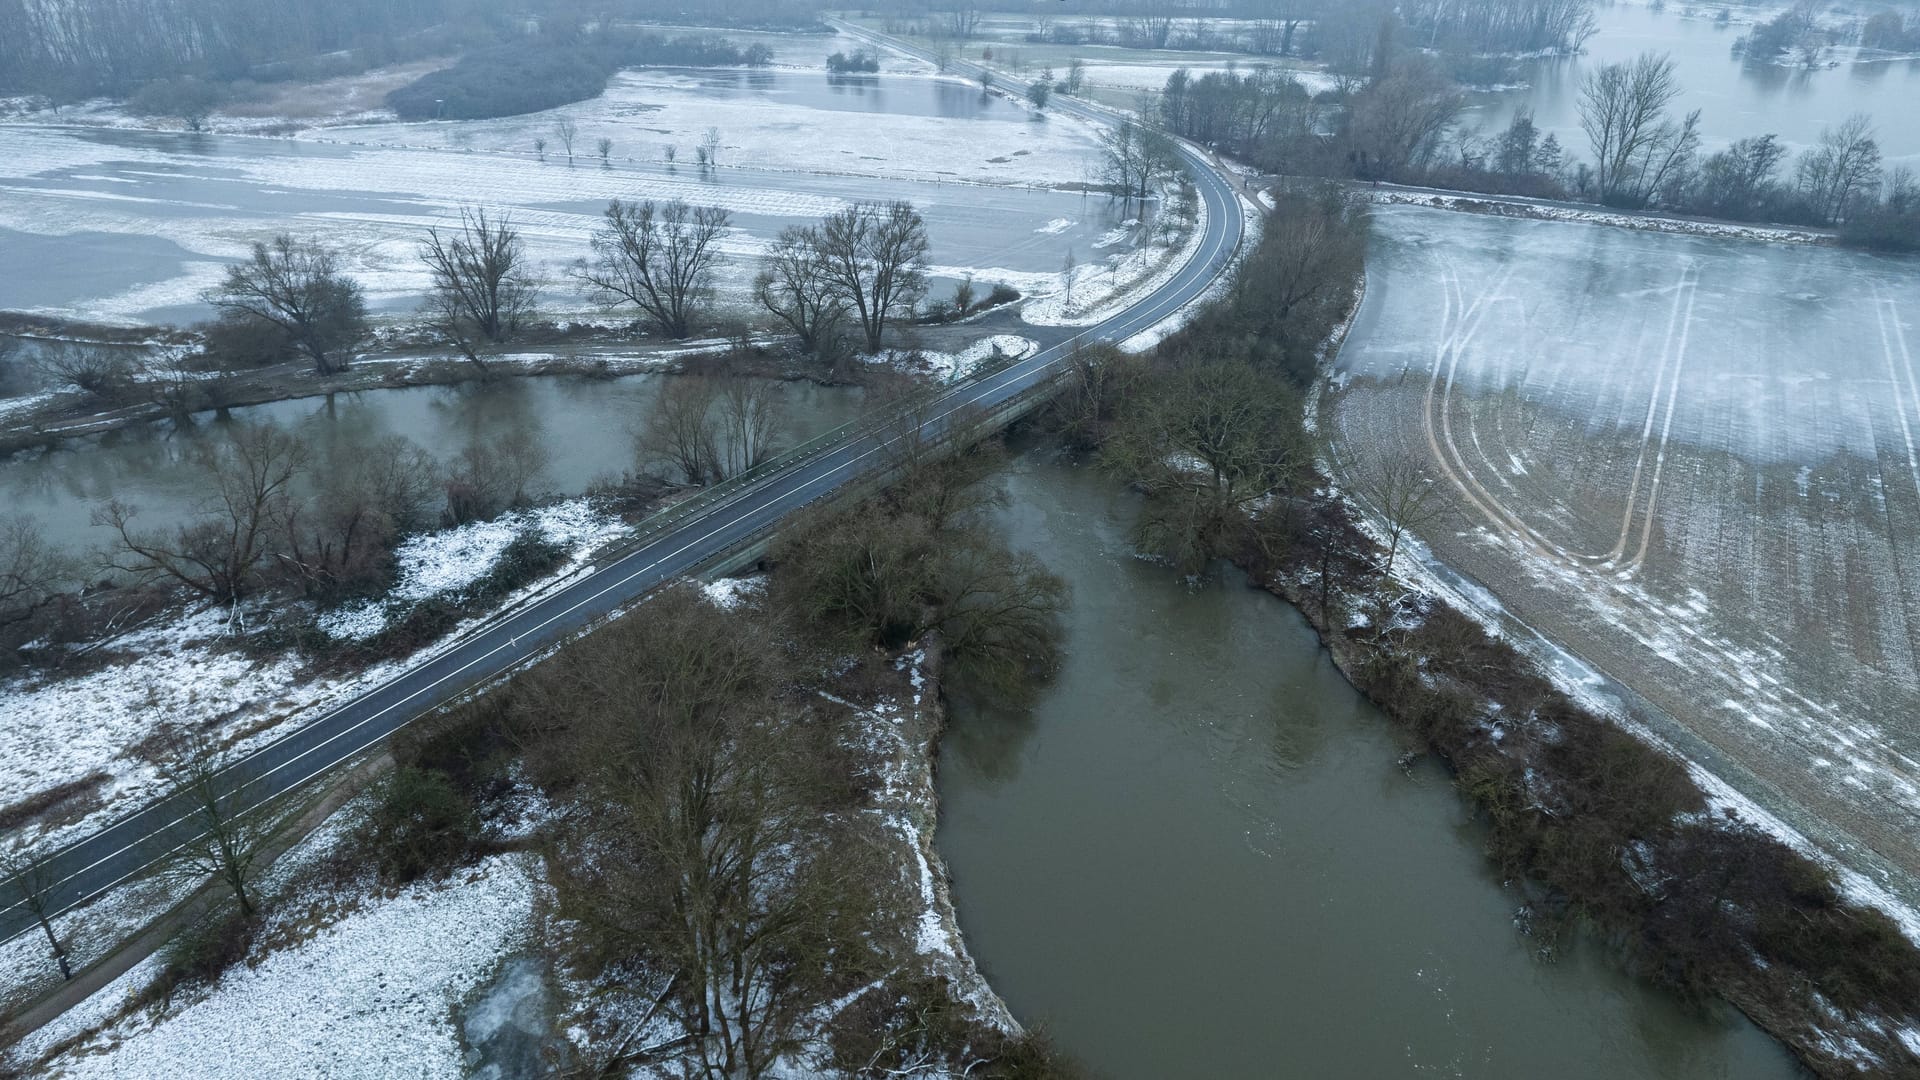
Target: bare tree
367, 496
481, 287
98, 370
1623, 110
710, 429
751, 414
31, 879
1834, 176
1398, 122
1319, 248
32, 572
1736, 181
1136, 158
1404, 496
793, 286
566, 131
710, 147
219, 553
720, 828
669, 152
540, 146
963, 19
296, 286
677, 430
219, 836
605, 146
659, 258
492, 474
1208, 441
875, 259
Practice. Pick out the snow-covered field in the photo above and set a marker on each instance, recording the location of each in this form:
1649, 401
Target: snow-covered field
143, 221
1691, 461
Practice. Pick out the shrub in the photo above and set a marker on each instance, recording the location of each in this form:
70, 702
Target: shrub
235, 341
861, 61
421, 825
202, 952
1002, 294
189, 99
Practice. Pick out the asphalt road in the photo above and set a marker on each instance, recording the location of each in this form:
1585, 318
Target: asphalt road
131, 845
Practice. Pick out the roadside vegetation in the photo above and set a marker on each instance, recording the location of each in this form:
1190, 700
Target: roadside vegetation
731, 872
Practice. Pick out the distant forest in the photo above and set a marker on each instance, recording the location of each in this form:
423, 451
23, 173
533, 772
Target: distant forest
72, 49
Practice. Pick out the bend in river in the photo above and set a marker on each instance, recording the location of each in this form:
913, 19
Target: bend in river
1194, 856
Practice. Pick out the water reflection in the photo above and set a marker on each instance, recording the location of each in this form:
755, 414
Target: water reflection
584, 425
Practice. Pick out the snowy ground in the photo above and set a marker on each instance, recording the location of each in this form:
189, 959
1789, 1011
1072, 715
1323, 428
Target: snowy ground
371, 995
1691, 461
185, 674
949, 366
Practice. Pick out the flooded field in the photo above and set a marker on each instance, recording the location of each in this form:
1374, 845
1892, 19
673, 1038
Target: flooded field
1737, 97
1692, 462
112, 224
1195, 857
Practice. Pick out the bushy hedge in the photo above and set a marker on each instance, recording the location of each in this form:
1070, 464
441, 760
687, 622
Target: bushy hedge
525, 77
861, 61
504, 81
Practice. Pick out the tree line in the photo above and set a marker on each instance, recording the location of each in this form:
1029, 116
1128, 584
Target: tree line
556, 69
183, 56
1402, 123
1321, 29
857, 273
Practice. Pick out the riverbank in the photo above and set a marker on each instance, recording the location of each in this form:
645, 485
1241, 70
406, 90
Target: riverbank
328, 909
1613, 832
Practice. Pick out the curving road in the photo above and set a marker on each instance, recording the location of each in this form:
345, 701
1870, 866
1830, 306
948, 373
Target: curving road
128, 847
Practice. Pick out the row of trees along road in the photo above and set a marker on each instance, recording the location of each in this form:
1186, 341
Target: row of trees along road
859, 270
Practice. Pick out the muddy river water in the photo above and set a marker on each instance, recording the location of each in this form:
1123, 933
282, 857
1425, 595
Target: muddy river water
1195, 855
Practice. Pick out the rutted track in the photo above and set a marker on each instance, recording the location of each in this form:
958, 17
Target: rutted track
128, 847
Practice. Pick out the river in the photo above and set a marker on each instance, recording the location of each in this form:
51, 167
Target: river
1195, 856
586, 425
